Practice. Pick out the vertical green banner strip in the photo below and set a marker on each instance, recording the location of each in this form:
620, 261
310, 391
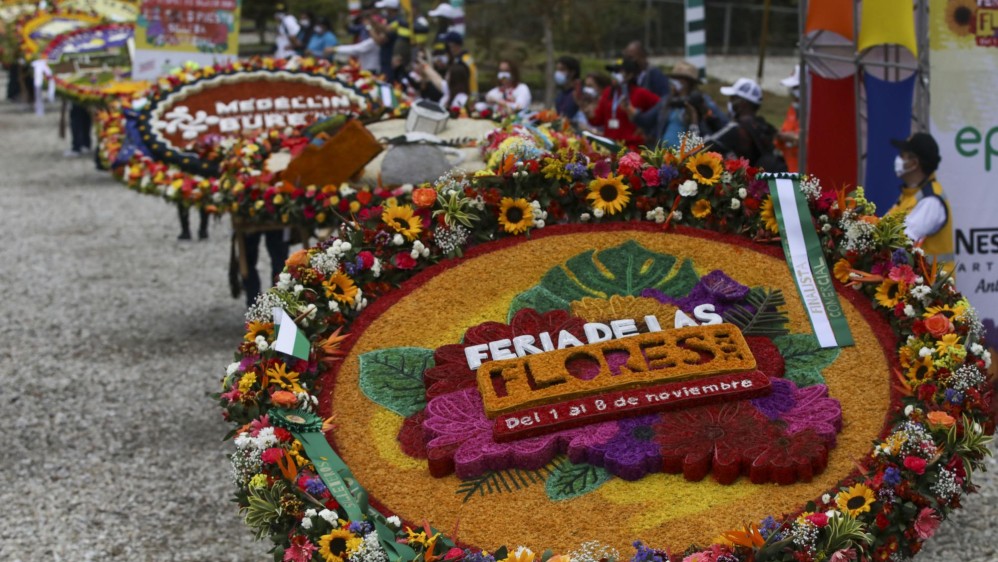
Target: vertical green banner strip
802, 249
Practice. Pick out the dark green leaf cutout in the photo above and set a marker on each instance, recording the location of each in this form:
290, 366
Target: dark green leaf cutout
502, 481
805, 358
393, 378
569, 480
764, 316
625, 270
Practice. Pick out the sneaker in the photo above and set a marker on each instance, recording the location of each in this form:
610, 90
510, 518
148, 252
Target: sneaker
72, 154
85, 150
186, 235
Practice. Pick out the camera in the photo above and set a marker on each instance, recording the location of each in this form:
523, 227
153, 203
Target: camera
695, 99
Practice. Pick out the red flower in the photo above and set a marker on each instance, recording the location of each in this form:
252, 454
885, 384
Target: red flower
366, 259
282, 434
790, 458
882, 521
629, 164
716, 438
819, 519
272, 455
650, 177
915, 464
403, 260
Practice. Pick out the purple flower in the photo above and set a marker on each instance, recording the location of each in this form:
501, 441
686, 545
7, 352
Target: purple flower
631, 453
769, 527
315, 486
645, 554
778, 401
602, 168
892, 477
899, 257
666, 174
360, 527
578, 170
954, 396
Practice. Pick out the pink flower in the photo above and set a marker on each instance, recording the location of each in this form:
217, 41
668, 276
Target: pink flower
819, 519
272, 455
602, 168
902, 273
650, 176
927, 523
301, 549
258, 424
844, 555
629, 163
915, 464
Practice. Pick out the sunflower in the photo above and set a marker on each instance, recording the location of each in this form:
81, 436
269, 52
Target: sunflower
284, 378
855, 500
701, 209
338, 545
947, 342
515, 215
257, 328
889, 293
340, 287
921, 370
960, 16
402, 220
706, 168
954, 312
609, 194
768, 215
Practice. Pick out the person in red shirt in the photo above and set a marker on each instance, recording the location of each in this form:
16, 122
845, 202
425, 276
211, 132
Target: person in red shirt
619, 102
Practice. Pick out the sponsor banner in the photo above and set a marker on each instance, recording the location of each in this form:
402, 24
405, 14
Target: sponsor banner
964, 57
170, 33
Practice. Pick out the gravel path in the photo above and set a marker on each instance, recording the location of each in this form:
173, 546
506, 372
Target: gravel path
114, 333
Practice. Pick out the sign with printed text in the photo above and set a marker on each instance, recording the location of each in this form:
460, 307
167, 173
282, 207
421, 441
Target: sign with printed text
170, 33
964, 119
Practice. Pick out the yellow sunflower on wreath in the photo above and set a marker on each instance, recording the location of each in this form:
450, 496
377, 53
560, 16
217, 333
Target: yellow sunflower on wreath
706, 168
338, 545
768, 215
857, 499
402, 220
960, 16
921, 371
515, 215
340, 287
889, 293
609, 194
701, 209
953, 313
258, 328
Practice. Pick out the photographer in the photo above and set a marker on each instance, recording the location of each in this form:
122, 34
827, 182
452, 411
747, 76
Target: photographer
687, 109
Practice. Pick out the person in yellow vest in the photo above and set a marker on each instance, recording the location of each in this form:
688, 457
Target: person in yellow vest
929, 220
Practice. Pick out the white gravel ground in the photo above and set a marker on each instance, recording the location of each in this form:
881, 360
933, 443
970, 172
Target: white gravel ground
113, 335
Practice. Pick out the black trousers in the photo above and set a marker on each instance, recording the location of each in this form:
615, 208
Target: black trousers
79, 126
278, 250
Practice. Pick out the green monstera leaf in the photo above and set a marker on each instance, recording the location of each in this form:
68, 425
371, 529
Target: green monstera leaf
393, 378
805, 358
569, 480
624, 270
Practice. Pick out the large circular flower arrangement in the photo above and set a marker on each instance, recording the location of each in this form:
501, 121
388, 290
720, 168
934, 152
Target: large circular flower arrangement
935, 430
94, 86
145, 172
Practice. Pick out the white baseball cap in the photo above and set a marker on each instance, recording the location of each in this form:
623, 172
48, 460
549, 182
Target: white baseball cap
445, 10
746, 89
387, 4
793, 80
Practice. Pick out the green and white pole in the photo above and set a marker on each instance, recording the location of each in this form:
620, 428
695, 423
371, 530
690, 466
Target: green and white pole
696, 36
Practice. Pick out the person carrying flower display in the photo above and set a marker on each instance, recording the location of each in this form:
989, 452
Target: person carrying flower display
928, 221
620, 102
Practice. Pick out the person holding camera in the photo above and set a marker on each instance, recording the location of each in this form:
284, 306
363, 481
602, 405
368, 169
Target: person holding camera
686, 109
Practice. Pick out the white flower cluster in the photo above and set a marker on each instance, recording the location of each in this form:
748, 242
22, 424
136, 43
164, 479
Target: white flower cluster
945, 486
858, 235
370, 550
262, 309
540, 215
810, 186
804, 536
921, 292
245, 464
593, 551
918, 440
419, 250
688, 188
598, 213
966, 377
689, 140
735, 204
450, 238
657, 214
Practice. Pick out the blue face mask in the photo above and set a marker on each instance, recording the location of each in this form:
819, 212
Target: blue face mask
560, 77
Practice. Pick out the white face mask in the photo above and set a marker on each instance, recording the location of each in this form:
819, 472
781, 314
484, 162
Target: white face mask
503, 75
899, 167
731, 108
441, 60
590, 91
618, 77
560, 77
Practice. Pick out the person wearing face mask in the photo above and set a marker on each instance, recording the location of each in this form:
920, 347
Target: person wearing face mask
928, 221
305, 21
619, 102
686, 109
566, 78
322, 38
366, 50
587, 97
287, 31
748, 135
510, 95
788, 139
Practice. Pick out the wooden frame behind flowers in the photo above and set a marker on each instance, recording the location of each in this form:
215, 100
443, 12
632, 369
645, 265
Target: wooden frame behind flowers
904, 495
